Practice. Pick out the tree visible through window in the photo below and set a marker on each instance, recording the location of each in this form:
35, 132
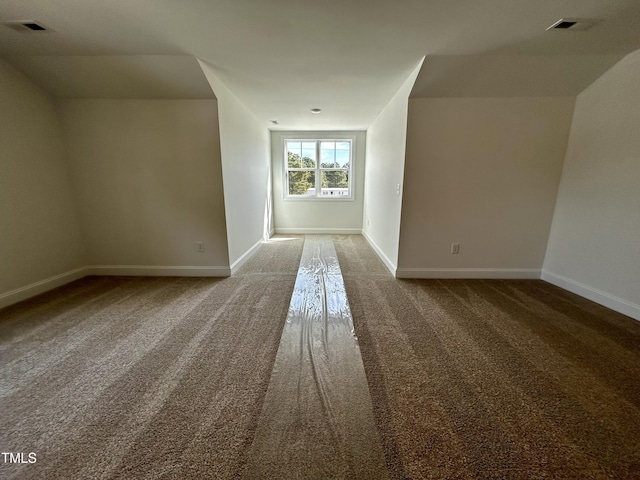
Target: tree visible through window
318, 168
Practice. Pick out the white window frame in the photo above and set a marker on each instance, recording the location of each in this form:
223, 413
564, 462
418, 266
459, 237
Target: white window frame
318, 197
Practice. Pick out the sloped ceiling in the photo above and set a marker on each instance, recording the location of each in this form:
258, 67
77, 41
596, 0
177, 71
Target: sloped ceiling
117, 76
510, 75
284, 57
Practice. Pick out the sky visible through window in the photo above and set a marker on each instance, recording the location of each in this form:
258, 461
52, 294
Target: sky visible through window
335, 154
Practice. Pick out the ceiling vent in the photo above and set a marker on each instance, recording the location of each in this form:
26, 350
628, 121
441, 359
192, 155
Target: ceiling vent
575, 24
27, 26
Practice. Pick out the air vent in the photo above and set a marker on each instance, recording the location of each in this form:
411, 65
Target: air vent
27, 26
564, 24
575, 24
34, 26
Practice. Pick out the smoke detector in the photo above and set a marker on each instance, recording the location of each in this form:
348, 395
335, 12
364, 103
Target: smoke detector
577, 24
27, 26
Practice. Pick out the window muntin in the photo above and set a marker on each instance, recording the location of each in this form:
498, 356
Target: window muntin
320, 169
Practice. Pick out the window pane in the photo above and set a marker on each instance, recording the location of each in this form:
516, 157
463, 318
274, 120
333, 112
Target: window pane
293, 155
294, 147
293, 160
335, 183
343, 154
309, 154
328, 154
302, 183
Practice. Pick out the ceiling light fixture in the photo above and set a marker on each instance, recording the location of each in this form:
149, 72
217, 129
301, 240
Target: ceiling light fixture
315, 111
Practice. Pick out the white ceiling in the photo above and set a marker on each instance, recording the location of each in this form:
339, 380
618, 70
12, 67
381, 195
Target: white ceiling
284, 57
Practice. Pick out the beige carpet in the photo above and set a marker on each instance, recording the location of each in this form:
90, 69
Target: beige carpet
494, 378
143, 377
166, 377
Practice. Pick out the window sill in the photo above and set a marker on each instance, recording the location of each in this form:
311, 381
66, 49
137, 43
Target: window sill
316, 199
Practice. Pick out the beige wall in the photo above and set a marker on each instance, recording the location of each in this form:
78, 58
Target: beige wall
149, 185
317, 216
482, 172
39, 231
245, 167
386, 139
594, 245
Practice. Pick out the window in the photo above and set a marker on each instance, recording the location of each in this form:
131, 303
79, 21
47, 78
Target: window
319, 169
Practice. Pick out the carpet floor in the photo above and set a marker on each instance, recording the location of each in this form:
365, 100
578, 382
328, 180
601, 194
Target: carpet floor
165, 378
500, 379
317, 420
143, 377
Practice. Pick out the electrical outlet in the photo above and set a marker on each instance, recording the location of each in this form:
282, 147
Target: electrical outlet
455, 248
200, 247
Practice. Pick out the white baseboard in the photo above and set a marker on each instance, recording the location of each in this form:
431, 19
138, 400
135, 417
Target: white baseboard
36, 288
319, 231
245, 256
388, 263
158, 271
603, 298
486, 273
